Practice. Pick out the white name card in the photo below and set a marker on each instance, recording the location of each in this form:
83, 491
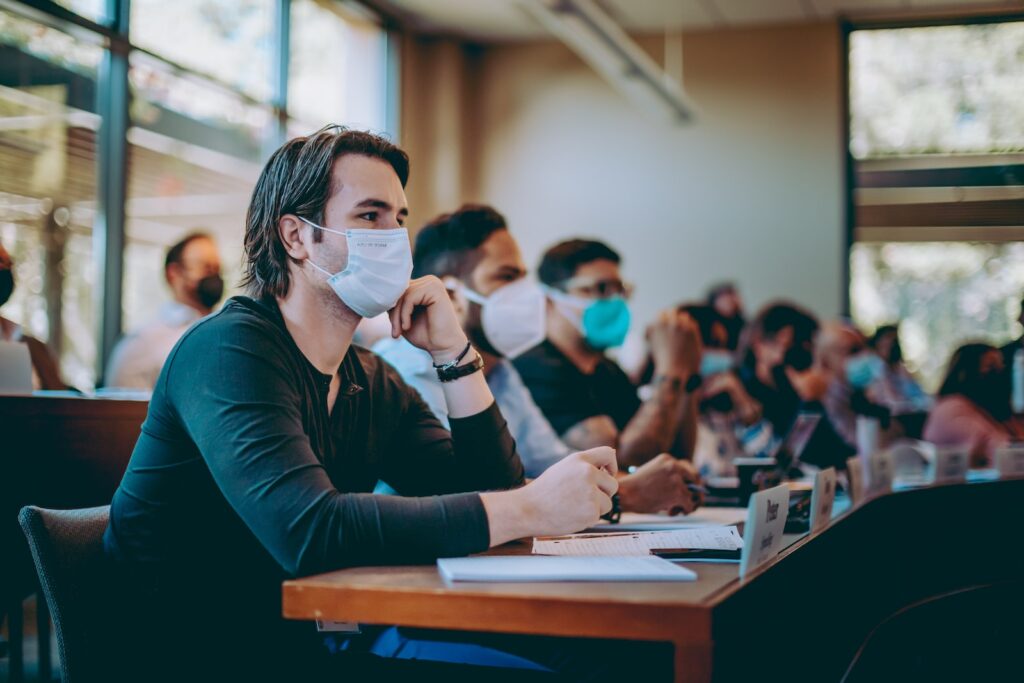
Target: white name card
880, 470
951, 465
766, 522
1010, 462
822, 497
855, 478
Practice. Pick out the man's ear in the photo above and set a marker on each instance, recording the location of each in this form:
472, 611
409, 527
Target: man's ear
294, 235
173, 272
459, 300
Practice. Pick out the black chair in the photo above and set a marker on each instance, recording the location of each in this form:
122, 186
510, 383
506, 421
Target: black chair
67, 548
95, 626
971, 634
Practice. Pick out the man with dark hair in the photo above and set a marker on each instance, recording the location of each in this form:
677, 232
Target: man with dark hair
192, 271
585, 395
267, 429
503, 313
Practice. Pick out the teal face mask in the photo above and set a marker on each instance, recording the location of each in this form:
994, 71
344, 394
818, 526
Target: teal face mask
606, 323
603, 323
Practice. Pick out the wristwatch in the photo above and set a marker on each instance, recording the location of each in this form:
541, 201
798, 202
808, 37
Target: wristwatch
451, 371
693, 382
615, 514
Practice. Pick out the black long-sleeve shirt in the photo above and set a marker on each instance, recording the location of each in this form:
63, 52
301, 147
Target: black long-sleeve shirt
242, 477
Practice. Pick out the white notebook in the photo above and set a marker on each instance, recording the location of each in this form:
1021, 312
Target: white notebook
530, 568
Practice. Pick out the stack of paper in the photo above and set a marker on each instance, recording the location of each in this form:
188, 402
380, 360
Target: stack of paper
531, 568
639, 543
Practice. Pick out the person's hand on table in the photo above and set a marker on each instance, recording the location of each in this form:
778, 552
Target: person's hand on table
569, 496
660, 485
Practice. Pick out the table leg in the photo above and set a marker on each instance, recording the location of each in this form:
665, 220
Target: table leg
692, 662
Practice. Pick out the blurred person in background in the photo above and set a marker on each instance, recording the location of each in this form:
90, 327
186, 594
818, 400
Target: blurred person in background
584, 394
192, 271
972, 409
896, 388
45, 374
854, 370
777, 362
1009, 350
779, 370
725, 299
503, 313
730, 424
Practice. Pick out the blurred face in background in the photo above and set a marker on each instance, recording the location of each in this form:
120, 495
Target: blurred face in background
196, 280
888, 348
728, 304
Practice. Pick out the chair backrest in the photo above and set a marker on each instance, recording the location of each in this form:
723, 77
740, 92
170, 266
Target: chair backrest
77, 582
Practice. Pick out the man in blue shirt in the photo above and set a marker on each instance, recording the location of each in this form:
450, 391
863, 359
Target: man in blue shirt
502, 312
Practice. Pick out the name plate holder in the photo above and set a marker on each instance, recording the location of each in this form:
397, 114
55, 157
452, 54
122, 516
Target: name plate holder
855, 479
951, 465
766, 523
1010, 462
823, 495
879, 474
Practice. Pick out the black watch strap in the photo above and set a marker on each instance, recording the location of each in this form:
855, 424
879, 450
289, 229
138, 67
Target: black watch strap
447, 373
615, 514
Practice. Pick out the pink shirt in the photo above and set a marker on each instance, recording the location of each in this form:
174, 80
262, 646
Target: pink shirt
956, 421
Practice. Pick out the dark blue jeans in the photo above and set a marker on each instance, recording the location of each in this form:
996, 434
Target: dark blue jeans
577, 659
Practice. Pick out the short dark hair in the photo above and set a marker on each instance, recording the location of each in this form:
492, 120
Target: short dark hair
561, 261
297, 180
718, 290
705, 316
964, 369
880, 332
448, 244
177, 251
771, 320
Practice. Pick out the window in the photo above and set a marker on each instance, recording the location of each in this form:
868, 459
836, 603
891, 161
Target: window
202, 82
229, 40
94, 10
48, 130
338, 63
937, 142
195, 151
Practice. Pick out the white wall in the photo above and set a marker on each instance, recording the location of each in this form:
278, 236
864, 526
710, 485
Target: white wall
751, 192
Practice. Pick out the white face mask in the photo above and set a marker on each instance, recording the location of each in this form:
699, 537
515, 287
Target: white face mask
513, 317
378, 269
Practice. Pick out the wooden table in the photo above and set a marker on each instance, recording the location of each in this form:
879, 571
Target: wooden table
721, 628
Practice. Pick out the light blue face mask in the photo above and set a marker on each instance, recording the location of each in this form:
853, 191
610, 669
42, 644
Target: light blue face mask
714, 362
863, 369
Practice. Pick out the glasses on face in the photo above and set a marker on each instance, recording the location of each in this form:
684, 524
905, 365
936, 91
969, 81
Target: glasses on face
600, 289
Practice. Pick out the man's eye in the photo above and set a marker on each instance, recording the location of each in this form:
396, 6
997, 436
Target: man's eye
370, 216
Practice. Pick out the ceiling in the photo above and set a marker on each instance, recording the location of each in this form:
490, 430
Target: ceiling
502, 20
